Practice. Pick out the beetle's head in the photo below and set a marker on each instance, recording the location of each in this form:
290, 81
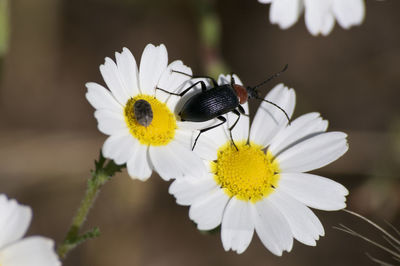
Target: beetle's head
252, 92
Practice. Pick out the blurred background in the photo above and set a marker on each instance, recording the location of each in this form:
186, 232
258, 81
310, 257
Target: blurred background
48, 137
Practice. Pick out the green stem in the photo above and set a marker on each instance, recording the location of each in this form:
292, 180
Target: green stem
210, 37
100, 176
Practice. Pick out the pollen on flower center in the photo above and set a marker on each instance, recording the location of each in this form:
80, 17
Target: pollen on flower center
160, 131
247, 173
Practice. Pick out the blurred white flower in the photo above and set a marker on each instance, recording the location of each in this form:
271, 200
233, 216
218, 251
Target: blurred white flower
263, 186
157, 143
18, 251
320, 15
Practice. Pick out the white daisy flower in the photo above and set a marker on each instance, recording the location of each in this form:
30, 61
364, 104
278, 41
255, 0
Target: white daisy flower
263, 186
320, 15
15, 250
145, 143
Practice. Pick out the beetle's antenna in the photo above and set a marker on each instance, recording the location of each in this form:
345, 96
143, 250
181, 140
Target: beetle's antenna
277, 106
183, 73
271, 77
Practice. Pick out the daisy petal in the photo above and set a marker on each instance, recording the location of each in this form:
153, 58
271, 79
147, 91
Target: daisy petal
31, 251
110, 123
101, 98
269, 119
303, 223
152, 64
114, 81
207, 211
314, 191
237, 226
241, 131
219, 135
349, 12
176, 161
14, 220
272, 227
138, 165
129, 73
172, 81
319, 17
120, 148
226, 79
187, 190
301, 128
313, 153
285, 13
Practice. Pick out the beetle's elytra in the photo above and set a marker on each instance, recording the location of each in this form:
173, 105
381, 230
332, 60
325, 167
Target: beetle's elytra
218, 100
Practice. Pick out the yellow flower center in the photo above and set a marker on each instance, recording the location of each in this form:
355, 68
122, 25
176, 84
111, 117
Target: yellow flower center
248, 173
160, 131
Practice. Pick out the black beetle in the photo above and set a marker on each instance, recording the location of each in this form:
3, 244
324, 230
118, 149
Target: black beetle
219, 100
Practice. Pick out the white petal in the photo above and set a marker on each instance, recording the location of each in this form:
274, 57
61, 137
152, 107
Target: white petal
110, 123
237, 227
220, 134
138, 165
172, 81
241, 131
305, 226
269, 119
187, 190
226, 79
152, 64
120, 148
319, 17
14, 220
129, 73
315, 191
206, 148
329, 23
301, 128
285, 13
313, 153
114, 81
101, 98
175, 161
207, 211
272, 227
31, 251
349, 12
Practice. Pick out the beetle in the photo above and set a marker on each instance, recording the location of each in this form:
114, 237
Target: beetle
218, 100
143, 112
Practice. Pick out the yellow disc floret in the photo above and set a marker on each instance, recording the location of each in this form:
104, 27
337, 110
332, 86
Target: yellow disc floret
160, 131
248, 173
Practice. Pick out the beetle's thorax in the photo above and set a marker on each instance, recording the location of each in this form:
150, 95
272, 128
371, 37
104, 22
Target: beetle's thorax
241, 93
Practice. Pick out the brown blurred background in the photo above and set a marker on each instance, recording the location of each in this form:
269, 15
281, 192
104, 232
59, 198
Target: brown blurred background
49, 139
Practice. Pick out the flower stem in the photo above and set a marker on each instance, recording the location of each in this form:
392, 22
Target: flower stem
102, 173
210, 37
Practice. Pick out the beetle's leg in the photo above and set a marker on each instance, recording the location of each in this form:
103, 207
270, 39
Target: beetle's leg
242, 111
236, 112
215, 83
203, 88
232, 79
223, 119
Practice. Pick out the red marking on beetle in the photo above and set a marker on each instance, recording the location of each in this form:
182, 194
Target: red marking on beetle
241, 93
